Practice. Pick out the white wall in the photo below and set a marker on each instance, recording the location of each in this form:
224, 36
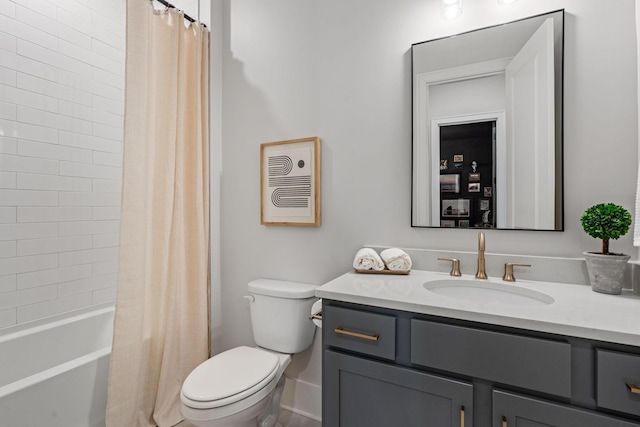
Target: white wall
473, 96
61, 102
341, 70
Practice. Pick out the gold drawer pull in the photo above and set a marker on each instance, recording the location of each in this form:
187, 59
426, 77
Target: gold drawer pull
633, 388
373, 337
504, 421
462, 416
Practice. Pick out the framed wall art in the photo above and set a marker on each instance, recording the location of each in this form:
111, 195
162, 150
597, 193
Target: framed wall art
290, 182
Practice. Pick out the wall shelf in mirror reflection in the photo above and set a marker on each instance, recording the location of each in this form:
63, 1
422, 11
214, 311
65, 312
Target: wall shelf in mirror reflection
493, 99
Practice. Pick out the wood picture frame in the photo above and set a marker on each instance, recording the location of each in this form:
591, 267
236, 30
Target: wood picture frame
290, 182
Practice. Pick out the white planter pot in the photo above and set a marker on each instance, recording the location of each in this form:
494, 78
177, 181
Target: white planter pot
606, 272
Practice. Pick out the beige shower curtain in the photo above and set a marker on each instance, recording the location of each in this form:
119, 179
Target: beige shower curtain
161, 325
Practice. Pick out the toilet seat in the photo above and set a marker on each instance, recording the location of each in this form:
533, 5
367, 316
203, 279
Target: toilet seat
229, 377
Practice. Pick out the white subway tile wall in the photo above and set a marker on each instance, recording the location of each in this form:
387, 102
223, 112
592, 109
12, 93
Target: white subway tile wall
61, 126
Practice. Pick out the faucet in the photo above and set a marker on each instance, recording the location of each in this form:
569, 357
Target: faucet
481, 273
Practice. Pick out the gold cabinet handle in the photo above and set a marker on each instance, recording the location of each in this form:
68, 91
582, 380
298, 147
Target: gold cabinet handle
504, 421
372, 337
633, 388
462, 416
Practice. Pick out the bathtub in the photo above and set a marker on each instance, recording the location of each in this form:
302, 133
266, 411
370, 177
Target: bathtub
55, 374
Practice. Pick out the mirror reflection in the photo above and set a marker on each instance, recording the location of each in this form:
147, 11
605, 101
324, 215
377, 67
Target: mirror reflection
487, 127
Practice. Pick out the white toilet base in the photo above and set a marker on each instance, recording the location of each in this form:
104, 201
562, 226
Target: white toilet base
263, 413
270, 418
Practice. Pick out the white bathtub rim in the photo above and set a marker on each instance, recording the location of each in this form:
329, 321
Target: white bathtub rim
24, 329
46, 374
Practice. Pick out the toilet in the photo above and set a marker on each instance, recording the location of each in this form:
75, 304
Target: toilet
241, 387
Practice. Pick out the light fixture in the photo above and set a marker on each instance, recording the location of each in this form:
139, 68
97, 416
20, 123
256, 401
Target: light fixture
506, 1
450, 9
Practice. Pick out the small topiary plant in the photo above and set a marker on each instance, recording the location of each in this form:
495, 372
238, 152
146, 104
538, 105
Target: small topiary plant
606, 221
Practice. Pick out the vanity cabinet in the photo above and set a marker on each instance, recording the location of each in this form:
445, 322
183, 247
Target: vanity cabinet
511, 410
384, 367
618, 381
370, 393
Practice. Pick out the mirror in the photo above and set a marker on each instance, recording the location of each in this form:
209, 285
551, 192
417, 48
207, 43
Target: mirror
487, 127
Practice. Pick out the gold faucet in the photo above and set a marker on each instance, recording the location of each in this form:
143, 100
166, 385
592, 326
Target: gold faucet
455, 266
508, 271
481, 273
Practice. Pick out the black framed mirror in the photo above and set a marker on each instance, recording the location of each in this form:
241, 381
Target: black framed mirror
488, 127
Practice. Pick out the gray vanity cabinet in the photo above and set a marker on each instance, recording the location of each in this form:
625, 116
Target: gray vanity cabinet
388, 368
375, 394
511, 410
364, 386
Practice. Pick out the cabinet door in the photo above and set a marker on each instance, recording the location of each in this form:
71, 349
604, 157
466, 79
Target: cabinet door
511, 410
359, 392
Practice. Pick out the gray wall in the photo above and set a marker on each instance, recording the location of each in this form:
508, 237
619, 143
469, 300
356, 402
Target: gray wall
341, 70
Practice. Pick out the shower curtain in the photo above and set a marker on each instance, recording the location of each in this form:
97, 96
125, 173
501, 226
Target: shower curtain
161, 326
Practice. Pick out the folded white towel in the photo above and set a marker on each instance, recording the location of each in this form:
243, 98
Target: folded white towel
396, 259
368, 259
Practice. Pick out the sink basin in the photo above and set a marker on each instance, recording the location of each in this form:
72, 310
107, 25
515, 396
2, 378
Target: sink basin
488, 292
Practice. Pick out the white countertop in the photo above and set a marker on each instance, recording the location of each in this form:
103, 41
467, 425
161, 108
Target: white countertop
576, 310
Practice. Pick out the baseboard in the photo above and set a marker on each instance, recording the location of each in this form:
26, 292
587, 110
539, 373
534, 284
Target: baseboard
302, 398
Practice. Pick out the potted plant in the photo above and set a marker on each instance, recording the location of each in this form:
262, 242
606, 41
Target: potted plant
606, 221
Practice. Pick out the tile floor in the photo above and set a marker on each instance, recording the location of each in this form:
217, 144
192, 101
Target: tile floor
287, 419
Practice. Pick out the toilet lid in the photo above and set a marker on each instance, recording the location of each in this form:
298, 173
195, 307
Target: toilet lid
238, 372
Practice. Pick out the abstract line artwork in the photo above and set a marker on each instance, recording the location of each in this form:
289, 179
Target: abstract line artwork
290, 182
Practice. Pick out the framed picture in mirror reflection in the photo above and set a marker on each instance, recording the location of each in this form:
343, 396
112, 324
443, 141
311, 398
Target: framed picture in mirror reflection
450, 183
455, 208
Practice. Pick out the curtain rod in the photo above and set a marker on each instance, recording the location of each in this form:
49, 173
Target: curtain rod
169, 5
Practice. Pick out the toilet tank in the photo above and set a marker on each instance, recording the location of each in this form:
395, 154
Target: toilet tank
280, 314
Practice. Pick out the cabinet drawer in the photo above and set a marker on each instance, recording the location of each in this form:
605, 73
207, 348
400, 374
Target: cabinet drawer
531, 363
618, 379
512, 410
367, 333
